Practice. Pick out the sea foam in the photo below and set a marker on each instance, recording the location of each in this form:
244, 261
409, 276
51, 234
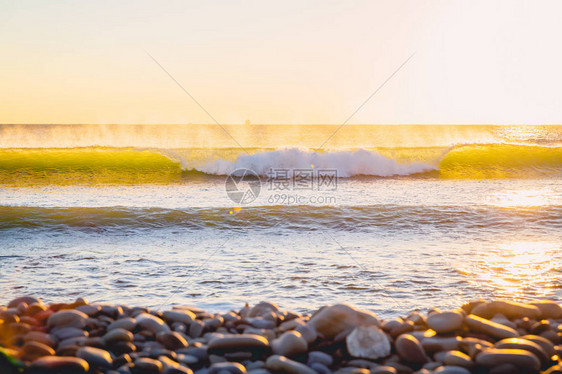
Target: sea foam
347, 163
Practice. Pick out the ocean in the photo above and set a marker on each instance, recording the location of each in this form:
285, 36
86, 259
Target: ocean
388, 218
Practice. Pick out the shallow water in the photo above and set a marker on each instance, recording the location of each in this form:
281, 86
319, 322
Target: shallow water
388, 244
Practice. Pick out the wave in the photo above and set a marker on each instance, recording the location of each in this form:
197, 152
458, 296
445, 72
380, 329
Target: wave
347, 163
134, 165
389, 217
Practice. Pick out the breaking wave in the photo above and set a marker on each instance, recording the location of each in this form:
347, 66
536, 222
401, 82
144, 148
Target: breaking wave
25, 166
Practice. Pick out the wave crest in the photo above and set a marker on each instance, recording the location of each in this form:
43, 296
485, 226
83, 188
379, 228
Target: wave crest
347, 163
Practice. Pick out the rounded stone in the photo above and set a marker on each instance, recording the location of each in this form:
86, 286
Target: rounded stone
510, 309
308, 333
146, 365
88, 309
24, 299
40, 337
319, 368
128, 324
440, 343
333, 320
97, 358
494, 357
236, 343
196, 329
368, 342
384, 370
457, 358
450, 369
177, 370
445, 322
283, 364
320, 357
171, 340
549, 309
63, 333
410, 350
60, 364
32, 350
227, 367
262, 308
67, 318
183, 316
118, 335
289, 344
545, 344
493, 329
151, 323
527, 345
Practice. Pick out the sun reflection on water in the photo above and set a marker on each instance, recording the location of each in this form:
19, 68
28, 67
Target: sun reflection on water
512, 269
521, 198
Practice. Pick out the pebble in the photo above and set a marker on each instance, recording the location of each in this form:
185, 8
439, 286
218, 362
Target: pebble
32, 350
320, 357
67, 318
177, 370
549, 309
171, 340
488, 327
227, 367
196, 329
527, 345
24, 299
128, 324
457, 358
410, 350
283, 364
545, 344
147, 366
308, 333
63, 333
262, 308
289, 344
445, 322
449, 369
510, 309
61, 364
368, 342
333, 320
520, 358
182, 316
384, 370
97, 358
118, 334
152, 323
236, 343
88, 310
319, 368
438, 343
40, 337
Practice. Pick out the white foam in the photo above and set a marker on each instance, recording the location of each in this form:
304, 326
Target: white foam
347, 163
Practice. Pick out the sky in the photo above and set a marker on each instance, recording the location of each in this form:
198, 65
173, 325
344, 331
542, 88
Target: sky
290, 62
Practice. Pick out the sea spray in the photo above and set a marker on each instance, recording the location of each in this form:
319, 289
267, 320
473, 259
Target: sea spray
346, 163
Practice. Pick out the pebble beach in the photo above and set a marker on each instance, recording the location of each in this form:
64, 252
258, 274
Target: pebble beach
495, 337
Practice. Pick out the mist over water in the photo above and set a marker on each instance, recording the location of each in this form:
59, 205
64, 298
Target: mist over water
421, 216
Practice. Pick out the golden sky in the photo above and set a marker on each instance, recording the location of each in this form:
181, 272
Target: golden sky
280, 62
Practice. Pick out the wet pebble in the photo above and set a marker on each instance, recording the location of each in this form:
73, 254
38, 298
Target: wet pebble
97, 358
283, 364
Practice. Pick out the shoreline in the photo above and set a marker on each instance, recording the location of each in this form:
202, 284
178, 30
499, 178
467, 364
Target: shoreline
493, 337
